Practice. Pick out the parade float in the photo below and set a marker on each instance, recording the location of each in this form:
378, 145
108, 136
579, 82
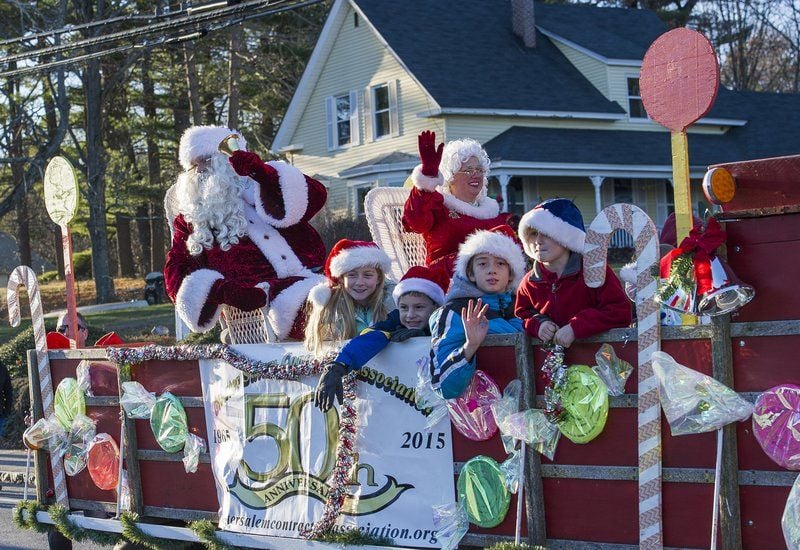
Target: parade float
226, 438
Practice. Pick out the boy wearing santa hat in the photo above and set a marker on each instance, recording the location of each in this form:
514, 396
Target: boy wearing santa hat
553, 299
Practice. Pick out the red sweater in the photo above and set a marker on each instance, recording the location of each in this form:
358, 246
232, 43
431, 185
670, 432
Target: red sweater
445, 222
542, 296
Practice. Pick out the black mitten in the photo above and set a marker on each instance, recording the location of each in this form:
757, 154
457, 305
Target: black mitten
330, 386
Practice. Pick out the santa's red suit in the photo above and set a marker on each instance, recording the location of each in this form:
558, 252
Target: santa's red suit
445, 221
280, 252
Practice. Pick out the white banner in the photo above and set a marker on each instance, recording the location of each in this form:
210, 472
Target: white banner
272, 451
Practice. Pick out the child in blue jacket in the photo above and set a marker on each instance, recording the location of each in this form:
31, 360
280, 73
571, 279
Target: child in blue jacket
489, 267
420, 291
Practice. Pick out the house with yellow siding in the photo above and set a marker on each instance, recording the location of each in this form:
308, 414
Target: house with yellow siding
551, 91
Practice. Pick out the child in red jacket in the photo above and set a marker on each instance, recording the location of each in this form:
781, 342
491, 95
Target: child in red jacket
553, 300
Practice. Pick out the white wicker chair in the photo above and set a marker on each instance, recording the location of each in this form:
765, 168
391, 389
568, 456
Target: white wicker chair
238, 327
383, 207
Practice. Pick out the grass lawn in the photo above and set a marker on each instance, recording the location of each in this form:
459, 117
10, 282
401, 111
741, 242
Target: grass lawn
132, 324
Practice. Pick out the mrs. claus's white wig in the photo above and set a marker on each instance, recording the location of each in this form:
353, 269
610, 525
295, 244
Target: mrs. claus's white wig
456, 153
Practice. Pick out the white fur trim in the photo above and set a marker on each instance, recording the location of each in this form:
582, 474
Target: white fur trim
320, 294
423, 182
360, 256
193, 295
496, 244
200, 142
294, 191
428, 288
283, 310
272, 245
628, 273
486, 209
554, 227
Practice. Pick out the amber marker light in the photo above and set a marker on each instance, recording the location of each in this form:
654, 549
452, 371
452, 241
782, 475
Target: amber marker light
719, 186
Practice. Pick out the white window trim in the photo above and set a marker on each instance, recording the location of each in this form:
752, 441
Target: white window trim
373, 115
353, 188
628, 97
356, 101
368, 101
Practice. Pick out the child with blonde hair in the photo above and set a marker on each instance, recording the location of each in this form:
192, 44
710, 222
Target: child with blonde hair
354, 297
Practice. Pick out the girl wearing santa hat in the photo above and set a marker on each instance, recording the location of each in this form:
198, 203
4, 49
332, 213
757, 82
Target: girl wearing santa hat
417, 295
353, 297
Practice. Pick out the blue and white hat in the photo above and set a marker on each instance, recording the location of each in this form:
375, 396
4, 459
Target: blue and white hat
559, 219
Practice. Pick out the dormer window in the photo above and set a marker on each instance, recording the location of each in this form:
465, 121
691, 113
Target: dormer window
635, 105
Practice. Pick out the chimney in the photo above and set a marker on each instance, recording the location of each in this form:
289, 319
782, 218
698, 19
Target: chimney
523, 22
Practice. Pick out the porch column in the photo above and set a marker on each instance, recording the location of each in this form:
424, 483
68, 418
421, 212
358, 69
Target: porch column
597, 182
503, 179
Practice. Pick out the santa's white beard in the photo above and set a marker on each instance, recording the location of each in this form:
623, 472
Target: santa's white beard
210, 201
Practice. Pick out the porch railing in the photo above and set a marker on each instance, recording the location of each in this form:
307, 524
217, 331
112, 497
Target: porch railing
621, 239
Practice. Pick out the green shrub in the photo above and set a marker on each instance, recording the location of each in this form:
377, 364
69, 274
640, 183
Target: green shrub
13, 354
82, 264
354, 537
48, 276
198, 338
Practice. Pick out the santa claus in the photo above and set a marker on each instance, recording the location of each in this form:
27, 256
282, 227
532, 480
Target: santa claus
242, 236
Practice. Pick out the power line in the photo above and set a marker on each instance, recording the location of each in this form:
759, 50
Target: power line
163, 40
89, 25
141, 31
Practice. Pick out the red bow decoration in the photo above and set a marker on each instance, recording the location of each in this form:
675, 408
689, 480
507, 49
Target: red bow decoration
701, 243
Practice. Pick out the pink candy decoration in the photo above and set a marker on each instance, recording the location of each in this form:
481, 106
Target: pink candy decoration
776, 424
104, 462
471, 412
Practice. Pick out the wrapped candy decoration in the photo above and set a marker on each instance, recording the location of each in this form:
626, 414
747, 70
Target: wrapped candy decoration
584, 398
126, 498
451, 524
512, 470
612, 370
69, 402
191, 452
790, 522
426, 397
776, 419
693, 402
167, 420
46, 434
471, 411
79, 438
103, 463
137, 401
504, 409
483, 492
84, 378
169, 424
534, 428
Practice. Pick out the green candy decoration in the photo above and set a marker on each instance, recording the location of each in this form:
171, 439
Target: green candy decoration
69, 402
168, 422
482, 489
584, 399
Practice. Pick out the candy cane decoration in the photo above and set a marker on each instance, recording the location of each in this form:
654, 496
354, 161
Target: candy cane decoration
25, 276
633, 220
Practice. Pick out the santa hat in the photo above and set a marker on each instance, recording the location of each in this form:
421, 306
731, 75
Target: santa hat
347, 255
558, 219
199, 142
432, 283
499, 241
